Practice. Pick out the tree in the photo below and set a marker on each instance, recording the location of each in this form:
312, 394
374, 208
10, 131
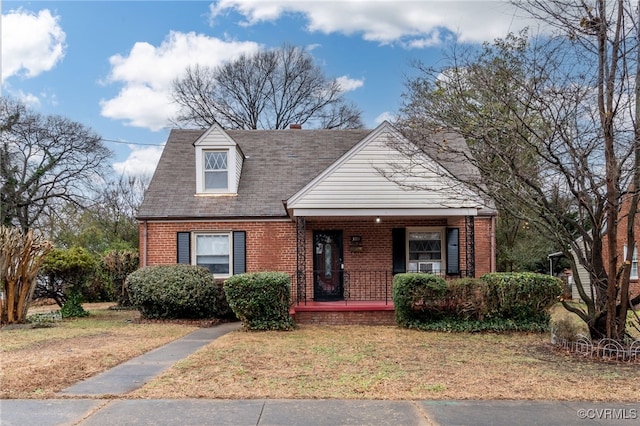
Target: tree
550, 124
108, 223
20, 257
44, 162
267, 90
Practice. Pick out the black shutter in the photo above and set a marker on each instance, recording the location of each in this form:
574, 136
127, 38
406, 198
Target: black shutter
453, 251
399, 248
239, 252
184, 247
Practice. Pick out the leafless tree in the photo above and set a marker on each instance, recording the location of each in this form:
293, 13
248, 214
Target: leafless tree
551, 125
44, 161
267, 90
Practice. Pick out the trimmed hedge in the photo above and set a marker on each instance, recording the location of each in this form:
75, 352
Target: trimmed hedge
495, 302
521, 295
261, 300
418, 297
176, 291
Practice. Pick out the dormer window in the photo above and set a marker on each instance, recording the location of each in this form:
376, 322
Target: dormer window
215, 170
218, 163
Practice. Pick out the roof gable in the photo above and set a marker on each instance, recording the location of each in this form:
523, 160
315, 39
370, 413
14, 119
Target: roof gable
367, 177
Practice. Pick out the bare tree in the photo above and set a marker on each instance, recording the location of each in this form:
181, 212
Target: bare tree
44, 160
268, 90
550, 123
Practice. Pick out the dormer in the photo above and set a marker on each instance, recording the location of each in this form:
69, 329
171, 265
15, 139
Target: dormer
218, 163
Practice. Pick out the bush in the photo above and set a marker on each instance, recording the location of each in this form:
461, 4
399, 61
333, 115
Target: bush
72, 307
176, 291
418, 298
63, 272
521, 296
261, 300
468, 298
117, 265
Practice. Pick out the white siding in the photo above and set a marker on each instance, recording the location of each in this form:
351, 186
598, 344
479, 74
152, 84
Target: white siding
238, 169
584, 279
358, 181
216, 138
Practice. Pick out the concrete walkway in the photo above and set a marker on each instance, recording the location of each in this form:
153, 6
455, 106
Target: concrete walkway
136, 372
80, 403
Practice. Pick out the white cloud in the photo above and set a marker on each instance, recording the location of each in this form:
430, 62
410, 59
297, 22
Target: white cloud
140, 162
29, 99
411, 23
147, 72
388, 116
348, 84
31, 43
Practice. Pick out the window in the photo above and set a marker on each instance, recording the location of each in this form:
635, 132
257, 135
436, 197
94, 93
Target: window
213, 251
215, 170
425, 251
634, 262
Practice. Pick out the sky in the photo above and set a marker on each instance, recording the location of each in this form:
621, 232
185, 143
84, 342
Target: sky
109, 64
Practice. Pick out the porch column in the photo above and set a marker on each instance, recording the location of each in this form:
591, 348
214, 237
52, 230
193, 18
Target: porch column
470, 249
301, 259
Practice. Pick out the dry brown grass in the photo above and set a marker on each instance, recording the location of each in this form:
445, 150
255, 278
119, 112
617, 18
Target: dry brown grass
36, 363
312, 362
390, 363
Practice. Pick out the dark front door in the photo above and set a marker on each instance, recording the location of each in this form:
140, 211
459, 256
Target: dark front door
327, 265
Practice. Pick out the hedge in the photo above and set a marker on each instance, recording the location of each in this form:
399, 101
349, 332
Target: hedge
495, 302
418, 297
261, 300
176, 291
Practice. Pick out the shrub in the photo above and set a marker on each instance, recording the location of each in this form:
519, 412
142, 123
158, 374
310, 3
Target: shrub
468, 298
65, 271
72, 307
176, 291
418, 298
117, 265
261, 300
521, 296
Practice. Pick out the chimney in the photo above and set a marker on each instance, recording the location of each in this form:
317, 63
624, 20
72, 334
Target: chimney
295, 126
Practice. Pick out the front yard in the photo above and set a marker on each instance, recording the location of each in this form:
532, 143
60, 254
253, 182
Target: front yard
353, 362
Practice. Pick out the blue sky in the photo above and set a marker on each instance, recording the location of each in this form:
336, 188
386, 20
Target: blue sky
108, 65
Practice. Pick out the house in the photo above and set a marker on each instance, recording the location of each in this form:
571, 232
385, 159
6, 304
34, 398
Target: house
621, 252
318, 205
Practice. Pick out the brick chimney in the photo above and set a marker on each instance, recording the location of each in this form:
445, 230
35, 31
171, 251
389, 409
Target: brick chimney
295, 126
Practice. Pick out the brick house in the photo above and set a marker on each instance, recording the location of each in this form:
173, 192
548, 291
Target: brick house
318, 205
621, 252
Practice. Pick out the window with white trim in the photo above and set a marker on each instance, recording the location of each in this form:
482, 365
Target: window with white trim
213, 251
425, 251
216, 170
634, 261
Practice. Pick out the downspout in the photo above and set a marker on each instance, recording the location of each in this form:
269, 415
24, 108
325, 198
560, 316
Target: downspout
144, 241
493, 244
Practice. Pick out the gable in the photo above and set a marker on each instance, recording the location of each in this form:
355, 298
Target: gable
367, 177
216, 140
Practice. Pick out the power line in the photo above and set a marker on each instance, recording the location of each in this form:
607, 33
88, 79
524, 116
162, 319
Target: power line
131, 143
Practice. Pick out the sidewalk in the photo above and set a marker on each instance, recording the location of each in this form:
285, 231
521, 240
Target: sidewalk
192, 412
80, 404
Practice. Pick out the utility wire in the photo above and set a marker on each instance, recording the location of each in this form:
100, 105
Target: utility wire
131, 143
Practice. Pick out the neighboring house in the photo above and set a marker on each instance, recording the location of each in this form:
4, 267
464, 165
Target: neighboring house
317, 205
622, 250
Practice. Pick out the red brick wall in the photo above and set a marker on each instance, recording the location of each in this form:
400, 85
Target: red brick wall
346, 318
271, 245
621, 236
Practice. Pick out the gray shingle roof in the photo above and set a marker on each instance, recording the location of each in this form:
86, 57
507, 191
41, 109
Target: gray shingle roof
278, 163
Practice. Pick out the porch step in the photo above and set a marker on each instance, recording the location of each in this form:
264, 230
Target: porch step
341, 313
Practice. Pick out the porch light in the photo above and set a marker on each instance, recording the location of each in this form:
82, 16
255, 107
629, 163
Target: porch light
378, 219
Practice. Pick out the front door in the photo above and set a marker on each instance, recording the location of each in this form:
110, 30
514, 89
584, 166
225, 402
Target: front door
327, 265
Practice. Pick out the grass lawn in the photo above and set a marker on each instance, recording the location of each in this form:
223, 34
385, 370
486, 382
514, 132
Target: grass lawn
353, 362
36, 363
